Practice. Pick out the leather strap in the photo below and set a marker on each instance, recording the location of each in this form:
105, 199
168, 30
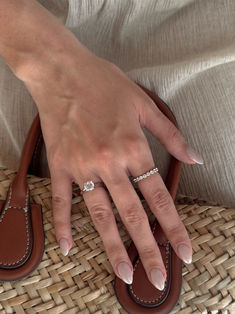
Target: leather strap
16, 234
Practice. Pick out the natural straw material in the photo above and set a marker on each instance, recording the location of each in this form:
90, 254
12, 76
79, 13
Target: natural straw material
82, 281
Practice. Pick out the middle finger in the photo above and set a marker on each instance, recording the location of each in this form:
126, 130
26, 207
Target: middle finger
136, 221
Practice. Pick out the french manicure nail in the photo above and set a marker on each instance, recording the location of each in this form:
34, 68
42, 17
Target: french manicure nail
194, 155
125, 272
64, 246
185, 253
157, 278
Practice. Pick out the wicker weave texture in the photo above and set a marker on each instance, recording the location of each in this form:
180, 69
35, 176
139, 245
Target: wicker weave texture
82, 281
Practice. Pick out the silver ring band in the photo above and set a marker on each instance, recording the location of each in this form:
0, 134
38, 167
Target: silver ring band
145, 175
90, 185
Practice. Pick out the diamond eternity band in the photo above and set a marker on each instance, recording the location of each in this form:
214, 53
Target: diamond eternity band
145, 175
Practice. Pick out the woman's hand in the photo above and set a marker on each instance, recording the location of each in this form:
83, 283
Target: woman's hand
91, 116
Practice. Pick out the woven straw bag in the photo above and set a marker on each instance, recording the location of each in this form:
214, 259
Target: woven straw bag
82, 281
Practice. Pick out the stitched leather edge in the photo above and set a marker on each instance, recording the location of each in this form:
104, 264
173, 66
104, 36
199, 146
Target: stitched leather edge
28, 224
164, 293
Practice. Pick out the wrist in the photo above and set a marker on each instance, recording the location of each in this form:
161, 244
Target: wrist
38, 64
55, 50
34, 39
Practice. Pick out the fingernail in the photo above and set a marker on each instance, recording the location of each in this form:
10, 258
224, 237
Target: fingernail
194, 156
64, 246
157, 278
185, 253
125, 272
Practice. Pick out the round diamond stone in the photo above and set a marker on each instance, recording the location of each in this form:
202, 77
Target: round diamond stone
89, 186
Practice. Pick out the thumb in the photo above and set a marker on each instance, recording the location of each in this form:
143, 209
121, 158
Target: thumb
168, 134
61, 204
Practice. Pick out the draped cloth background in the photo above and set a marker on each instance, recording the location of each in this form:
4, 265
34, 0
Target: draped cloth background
182, 50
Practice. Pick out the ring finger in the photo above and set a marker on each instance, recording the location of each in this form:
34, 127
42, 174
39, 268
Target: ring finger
100, 208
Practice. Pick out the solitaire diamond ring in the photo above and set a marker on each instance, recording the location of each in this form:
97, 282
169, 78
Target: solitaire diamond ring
90, 185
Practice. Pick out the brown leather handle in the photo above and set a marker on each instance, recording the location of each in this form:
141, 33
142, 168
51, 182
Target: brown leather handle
32, 148
18, 190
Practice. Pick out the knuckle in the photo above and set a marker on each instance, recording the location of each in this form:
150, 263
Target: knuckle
148, 251
103, 150
134, 146
149, 102
101, 215
59, 201
114, 251
115, 181
175, 230
60, 225
155, 111
161, 200
173, 133
54, 158
104, 155
133, 217
78, 160
113, 67
130, 140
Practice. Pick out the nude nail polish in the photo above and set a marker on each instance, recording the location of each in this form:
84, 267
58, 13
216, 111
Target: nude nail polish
185, 253
64, 246
194, 155
157, 278
125, 272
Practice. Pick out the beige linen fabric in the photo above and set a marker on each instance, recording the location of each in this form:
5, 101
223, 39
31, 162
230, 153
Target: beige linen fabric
183, 50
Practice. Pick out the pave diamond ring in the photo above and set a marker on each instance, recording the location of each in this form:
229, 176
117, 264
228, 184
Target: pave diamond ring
145, 175
90, 185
